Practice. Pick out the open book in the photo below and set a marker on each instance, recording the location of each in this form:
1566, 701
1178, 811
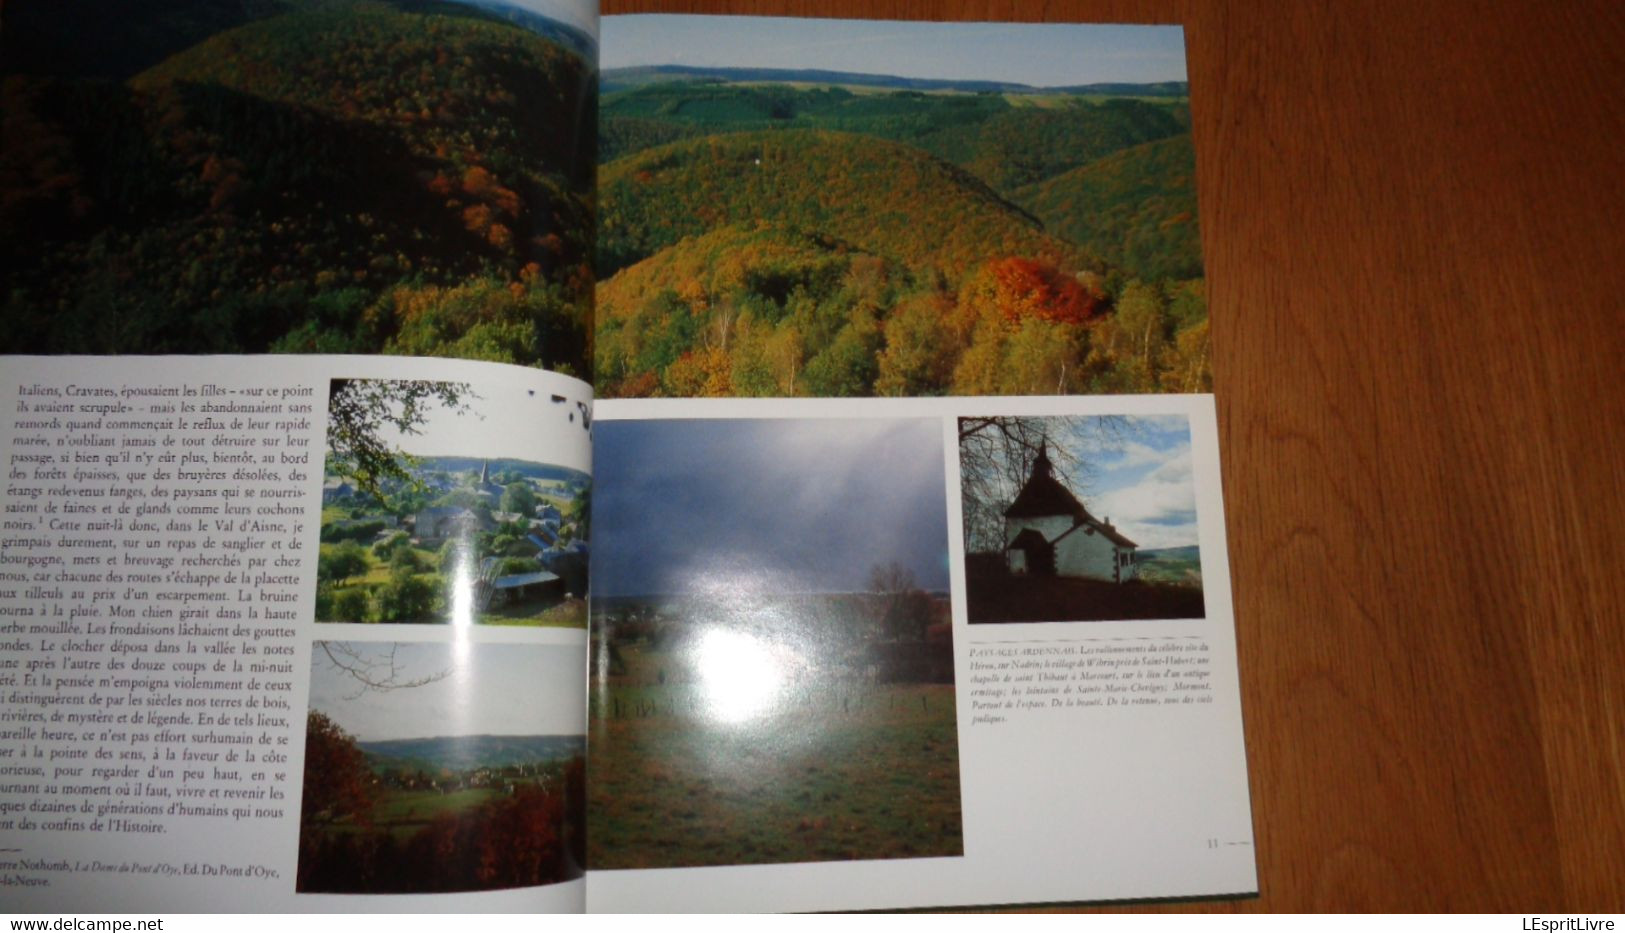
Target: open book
886, 567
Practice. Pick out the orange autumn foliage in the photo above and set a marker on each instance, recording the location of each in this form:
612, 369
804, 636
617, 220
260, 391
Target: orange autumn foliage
1029, 288
478, 181
477, 219
439, 184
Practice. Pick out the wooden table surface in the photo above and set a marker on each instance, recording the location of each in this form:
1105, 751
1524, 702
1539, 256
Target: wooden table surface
1411, 215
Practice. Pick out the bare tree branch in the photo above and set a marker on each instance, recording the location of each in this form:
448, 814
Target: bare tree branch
358, 409
996, 455
373, 671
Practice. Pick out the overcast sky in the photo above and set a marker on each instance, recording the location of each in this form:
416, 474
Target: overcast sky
1039, 54
488, 689
771, 506
502, 418
1142, 479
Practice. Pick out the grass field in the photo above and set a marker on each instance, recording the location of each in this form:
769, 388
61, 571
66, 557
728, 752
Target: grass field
571, 613
1179, 565
537, 613
403, 812
833, 771
994, 595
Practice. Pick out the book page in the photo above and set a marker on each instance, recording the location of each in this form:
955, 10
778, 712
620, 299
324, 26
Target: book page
822, 681
293, 634
866, 644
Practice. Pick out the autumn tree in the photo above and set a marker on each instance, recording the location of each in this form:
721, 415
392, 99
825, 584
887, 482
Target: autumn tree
1030, 288
920, 350
904, 608
847, 366
1042, 357
1190, 363
784, 353
338, 783
1023, 321
703, 373
1128, 347
750, 374
489, 319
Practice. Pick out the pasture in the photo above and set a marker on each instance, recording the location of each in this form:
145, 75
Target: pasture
401, 813
994, 595
826, 769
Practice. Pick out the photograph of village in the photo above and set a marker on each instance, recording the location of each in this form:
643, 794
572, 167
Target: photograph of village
818, 207
1086, 518
772, 653
437, 767
341, 176
414, 533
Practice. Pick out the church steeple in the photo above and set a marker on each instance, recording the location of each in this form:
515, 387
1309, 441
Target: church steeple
485, 473
1043, 494
1041, 466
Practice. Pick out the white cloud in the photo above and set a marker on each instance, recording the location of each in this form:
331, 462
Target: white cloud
1134, 453
1160, 509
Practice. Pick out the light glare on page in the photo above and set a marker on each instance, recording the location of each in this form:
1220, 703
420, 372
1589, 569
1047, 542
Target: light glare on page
462, 601
740, 675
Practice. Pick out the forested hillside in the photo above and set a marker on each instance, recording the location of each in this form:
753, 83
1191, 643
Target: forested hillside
888, 198
330, 175
1006, 139
1135, 208
762, 238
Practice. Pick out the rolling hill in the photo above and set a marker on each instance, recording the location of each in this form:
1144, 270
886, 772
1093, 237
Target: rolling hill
1181, 565
637, 76
810, 233
884, 198
770, 296
466, 752
345, 176
615, 79
1028, 145
1136, 208
1005, 139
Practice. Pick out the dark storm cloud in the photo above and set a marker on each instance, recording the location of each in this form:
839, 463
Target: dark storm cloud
779, 506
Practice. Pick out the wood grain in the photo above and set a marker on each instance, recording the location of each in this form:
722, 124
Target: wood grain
1412, 222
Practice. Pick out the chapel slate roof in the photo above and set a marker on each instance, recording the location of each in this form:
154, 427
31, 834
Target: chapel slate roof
1044, 495
1116, 537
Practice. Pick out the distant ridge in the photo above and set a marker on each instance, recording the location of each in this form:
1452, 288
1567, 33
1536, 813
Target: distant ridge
569, 36
1118, 89
462, 752
619, 78
1184, 552
452, 463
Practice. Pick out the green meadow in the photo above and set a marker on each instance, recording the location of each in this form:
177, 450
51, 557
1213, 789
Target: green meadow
831, 771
